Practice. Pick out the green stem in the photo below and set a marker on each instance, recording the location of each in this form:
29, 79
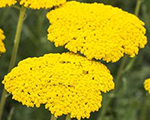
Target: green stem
145, 107
106, 102
2, 103
137, 9
68, 117
14, 55
120, 71
16, 7
10, 114
53, 117
129, 66
17, 38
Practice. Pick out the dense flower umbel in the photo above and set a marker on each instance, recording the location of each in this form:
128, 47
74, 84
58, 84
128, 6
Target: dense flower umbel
147, 85
4, 3
34, 4
2, 46
96, 30
66, 83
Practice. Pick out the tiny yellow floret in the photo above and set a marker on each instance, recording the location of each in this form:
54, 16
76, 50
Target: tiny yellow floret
2, 46
96, 30
147, 85
66, 83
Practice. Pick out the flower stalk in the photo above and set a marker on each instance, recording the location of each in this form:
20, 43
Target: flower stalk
137, 9
143, 115
53, 117
120, 71
14, 54
68, 117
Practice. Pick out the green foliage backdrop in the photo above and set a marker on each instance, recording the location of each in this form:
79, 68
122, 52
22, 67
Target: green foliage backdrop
132, 101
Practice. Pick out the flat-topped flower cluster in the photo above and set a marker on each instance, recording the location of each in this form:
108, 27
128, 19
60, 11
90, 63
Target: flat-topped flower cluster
96, 30
66, 83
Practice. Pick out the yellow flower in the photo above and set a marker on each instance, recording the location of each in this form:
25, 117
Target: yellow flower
147, 85
4, 3
34, 4
66, 83
96, 30
2, 46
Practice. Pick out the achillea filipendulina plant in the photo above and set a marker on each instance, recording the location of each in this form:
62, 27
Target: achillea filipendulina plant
66, 83
147, 85
96, 30
2, 46
34, 4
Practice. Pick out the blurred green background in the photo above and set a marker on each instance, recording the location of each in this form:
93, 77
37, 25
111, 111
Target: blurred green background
131, 101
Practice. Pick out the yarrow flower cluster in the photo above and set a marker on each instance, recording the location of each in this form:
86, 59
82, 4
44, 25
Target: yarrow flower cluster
96, 30
2, 46
147, 85
34, 4
66, 83
4, 3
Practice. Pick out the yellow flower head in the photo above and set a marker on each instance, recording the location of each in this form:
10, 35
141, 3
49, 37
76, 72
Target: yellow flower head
34, 4
66, 83
147, 85
2, 46
96, 30
4, 3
